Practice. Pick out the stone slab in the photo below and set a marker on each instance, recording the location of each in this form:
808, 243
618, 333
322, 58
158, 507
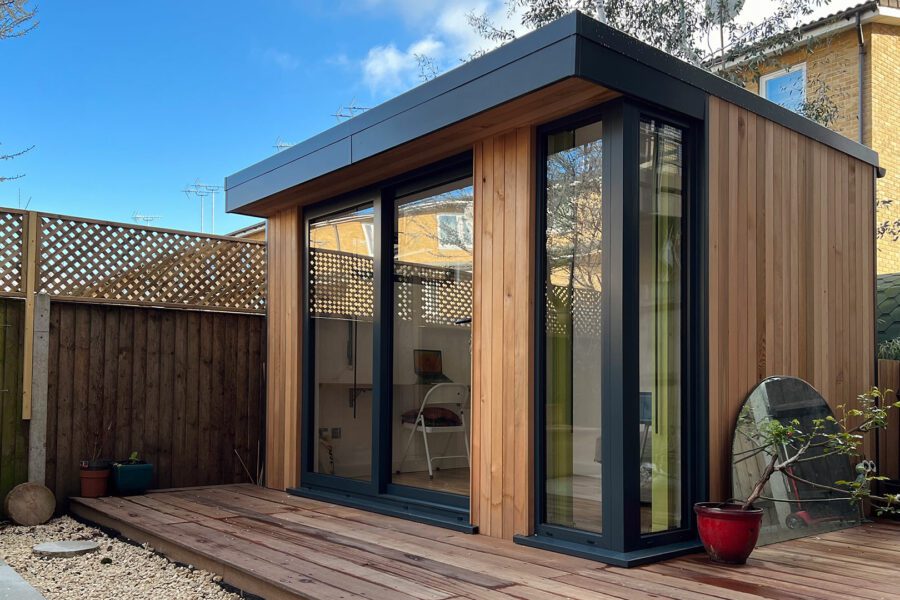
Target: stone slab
66, 549
13, 587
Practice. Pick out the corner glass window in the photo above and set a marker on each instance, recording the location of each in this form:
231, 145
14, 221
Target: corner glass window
786, 87
660, 319
573, 287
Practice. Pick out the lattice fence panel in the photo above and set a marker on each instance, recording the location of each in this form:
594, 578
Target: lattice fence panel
342, 288
341, 285
11, 239
110, 261
581, 307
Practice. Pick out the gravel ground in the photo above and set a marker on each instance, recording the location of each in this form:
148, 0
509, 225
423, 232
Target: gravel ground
119, 570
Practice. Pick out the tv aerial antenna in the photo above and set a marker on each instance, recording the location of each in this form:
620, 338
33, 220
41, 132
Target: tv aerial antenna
280, 145
723, 11
142, 219
202, 191
349, 111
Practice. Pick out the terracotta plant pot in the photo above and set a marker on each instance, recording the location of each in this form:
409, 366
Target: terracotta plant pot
728, 533
94, 482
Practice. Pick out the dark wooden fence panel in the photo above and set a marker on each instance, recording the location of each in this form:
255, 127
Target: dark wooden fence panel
889, 438
13, 431
182, 388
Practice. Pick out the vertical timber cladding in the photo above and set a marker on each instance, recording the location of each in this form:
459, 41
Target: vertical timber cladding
285, 253
791, 269
502, 490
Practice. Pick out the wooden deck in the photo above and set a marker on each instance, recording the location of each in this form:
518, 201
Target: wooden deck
279, 546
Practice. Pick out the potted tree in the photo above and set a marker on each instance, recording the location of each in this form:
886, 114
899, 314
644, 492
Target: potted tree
95, 471
729, 530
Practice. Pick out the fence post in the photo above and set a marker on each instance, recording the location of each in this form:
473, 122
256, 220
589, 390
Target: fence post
37, 432
30, 272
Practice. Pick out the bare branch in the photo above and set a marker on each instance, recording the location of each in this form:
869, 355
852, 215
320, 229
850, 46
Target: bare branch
16, 18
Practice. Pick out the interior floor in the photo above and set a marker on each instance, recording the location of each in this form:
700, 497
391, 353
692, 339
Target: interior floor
580, 507
451, 481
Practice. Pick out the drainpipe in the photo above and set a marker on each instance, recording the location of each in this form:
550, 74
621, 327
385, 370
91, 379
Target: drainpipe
861, 44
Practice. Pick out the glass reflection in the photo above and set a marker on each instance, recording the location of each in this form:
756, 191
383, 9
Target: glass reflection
340, 310
573, 290
660, 303
432, 338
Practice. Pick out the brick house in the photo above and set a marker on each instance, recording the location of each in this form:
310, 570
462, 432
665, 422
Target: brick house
855, 53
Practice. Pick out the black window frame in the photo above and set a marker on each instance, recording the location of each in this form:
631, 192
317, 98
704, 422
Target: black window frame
621, 541
379, 493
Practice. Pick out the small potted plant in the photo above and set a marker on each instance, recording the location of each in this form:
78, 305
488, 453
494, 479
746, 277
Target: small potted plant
729, 530
95, 471
132, 476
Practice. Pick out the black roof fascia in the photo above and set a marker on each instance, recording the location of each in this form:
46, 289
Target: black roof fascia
575, 45
648, 88
533, 61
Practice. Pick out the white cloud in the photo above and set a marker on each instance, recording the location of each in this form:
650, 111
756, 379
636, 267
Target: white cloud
281, 59
447, 38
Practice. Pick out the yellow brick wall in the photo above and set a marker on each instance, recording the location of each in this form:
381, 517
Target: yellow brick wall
884, 60
835, 61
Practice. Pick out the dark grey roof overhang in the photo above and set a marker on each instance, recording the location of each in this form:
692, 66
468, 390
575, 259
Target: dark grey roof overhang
573, 46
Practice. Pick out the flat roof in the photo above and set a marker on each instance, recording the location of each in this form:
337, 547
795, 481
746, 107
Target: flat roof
575, 45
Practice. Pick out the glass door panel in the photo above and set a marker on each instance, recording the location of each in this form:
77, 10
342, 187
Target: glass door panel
432, 362
340, 299
660, 326
574, 202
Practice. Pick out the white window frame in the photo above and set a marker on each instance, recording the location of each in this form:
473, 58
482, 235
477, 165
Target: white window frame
460, 219
368, 228
779, 73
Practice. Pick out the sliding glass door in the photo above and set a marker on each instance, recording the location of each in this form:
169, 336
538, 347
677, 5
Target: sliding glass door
614, 312
340, 294
387, 344
432, 367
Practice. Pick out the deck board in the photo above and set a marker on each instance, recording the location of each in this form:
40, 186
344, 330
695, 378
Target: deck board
281, 546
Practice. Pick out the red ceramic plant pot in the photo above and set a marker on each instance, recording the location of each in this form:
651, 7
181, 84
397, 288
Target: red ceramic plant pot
728, 533
94, 483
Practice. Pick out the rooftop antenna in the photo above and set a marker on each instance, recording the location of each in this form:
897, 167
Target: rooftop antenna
723, 11
349, 111
280, 145
202, 191
143, 219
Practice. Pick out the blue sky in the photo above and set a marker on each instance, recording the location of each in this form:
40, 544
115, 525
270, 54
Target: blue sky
127, 103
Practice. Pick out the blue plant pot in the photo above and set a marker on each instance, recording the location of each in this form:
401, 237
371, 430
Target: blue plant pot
131, 479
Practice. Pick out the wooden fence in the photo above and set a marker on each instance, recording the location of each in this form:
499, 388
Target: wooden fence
889, 438
150, 340
13, 431
184, 389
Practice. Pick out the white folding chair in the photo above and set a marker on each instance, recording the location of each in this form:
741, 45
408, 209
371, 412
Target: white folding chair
460, 402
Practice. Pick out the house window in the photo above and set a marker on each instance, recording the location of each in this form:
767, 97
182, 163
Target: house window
369, 232
786, 87
454, 231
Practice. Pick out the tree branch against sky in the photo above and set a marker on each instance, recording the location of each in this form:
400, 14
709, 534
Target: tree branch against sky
17, 18
456, 32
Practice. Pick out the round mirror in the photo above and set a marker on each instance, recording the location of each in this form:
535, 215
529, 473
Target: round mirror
793, 508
